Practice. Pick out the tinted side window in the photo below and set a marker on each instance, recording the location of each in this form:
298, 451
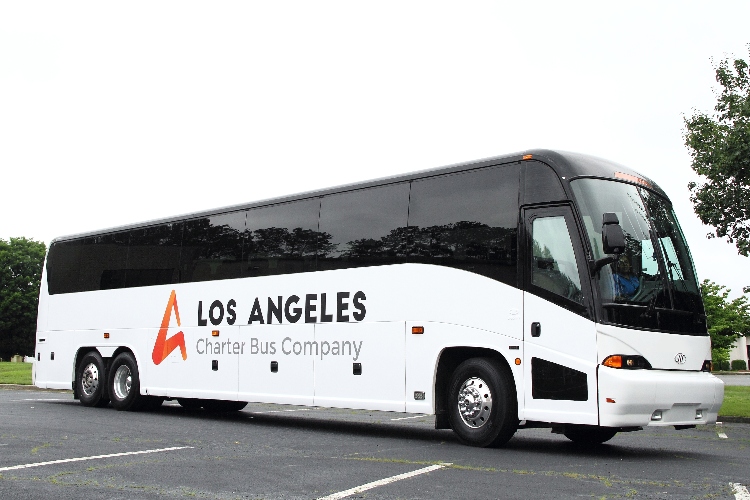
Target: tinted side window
63, 262
212, 247
154, 255
282, 239
104, 259
467, 220
554, 265
364, 227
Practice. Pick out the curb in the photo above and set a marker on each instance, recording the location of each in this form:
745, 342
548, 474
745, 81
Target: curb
31, 388
733, 420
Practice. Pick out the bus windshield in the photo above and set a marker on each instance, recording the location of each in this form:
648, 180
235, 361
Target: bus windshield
652, 285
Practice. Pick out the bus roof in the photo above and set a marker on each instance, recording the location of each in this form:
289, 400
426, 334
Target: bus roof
567, 166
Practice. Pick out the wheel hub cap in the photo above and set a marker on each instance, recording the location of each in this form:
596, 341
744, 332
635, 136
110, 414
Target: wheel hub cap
122, 382
90, 379
474, 402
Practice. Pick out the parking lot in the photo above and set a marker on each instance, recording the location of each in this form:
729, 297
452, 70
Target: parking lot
52, 447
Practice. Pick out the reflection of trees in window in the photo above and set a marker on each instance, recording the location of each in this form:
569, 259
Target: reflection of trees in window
212, 248
473, 246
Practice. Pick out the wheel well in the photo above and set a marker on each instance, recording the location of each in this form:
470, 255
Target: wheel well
82, 351
449, 360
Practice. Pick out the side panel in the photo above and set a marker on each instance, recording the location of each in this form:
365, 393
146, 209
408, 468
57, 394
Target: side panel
194, 376
569, 341
372, 306
423, 352
377, 383
293, 380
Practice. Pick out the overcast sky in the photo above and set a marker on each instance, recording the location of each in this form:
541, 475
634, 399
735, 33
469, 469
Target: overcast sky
115, 113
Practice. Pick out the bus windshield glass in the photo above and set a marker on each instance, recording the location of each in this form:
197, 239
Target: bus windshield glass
652, 285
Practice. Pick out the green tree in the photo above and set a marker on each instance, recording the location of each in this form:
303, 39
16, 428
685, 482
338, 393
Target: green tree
719, 145
727, 320
21, 262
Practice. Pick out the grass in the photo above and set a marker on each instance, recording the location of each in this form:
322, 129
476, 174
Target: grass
15, 373
736, 401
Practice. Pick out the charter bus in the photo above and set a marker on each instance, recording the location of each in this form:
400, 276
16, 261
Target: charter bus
540, 289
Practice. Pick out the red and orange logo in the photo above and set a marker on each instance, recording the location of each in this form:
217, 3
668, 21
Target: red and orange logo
164, 346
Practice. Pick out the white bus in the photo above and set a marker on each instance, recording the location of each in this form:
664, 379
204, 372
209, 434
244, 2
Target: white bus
541, 289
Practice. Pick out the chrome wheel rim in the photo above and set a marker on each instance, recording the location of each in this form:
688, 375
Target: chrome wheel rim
475, 402
123, 381
90, 379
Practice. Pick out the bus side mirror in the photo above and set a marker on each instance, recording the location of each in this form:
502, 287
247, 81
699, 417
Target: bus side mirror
613, 239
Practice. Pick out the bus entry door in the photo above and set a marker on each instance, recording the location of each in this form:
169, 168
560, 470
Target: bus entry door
559, 338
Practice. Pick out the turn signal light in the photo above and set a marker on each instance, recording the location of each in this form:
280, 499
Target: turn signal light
214, 333
708, 366
626, 361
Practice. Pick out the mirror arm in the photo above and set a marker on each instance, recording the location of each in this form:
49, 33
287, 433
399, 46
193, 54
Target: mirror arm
596, 265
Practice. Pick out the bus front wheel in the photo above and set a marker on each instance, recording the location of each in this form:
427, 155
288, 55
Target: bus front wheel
483, 408
124, 383
92, 381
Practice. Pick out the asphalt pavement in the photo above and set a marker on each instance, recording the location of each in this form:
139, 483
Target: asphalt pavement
52, 447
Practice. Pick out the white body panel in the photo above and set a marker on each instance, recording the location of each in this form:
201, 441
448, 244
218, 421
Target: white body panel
456, 309
568, 340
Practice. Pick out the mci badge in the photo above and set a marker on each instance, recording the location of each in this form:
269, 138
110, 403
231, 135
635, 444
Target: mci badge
680, 358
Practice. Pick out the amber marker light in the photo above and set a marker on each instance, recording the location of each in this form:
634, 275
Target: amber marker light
106, 335
417, 330
214, 333
610, 400
613, 361
527, 157
518, 361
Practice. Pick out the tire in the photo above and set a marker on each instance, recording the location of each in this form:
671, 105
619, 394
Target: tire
124, 384
91, 379
483, 409
589, 435
218, 406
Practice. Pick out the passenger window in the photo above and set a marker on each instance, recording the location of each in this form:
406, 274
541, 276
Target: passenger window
63, 264
468, 221
363, 227
282, 239
154, 255
104, 261
212, 247
554, 265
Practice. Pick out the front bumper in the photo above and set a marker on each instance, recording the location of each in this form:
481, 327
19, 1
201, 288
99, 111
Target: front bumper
630, 398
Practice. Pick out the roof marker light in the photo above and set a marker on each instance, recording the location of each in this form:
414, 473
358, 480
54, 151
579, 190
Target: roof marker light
632, 178
527, 157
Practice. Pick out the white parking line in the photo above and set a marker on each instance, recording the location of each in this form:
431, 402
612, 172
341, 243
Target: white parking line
407, 418
388, 480
740, 492
96, 457
40, 399
279, 411
722, 435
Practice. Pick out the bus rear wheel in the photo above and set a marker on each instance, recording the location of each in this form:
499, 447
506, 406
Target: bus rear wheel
92, 381
483, 408
589, 435
124, 383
